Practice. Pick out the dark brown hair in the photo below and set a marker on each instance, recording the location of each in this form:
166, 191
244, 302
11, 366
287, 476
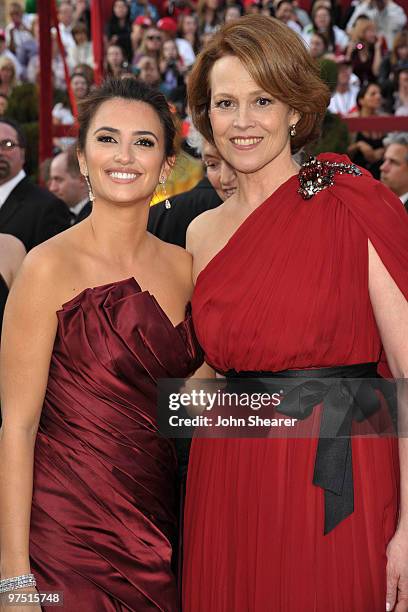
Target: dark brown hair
277, 59
127, 89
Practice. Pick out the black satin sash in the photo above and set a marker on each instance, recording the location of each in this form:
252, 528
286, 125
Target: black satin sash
343, 401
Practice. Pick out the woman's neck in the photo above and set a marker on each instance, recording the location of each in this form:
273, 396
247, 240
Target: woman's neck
256, 187
119, 233
368, 112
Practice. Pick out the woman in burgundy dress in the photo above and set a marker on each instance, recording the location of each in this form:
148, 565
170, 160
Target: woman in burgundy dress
301, 269
96, 316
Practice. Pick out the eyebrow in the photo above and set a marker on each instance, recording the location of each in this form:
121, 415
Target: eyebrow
252, 93
136, 133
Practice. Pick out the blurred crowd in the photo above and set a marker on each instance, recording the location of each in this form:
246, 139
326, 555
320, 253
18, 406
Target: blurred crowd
362, 50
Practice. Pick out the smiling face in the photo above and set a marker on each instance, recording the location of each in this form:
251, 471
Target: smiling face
250, 126
124, 152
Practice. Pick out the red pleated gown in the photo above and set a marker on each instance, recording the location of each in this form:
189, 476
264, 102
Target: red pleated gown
290, 291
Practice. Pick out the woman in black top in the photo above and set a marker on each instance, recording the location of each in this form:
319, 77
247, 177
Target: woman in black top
119, 28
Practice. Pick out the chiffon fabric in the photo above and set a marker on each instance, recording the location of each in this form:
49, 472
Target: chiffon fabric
290, 291
104, 505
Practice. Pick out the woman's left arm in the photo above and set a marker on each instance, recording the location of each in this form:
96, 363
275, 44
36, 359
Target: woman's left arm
391, 314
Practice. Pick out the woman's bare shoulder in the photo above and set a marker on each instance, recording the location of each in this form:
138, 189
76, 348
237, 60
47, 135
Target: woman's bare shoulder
50, 266
207, 219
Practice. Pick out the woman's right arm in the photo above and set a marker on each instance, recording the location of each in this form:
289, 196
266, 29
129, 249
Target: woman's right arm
28, 335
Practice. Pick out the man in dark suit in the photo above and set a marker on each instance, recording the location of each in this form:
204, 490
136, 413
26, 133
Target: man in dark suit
27, 211
170, 224
67, 183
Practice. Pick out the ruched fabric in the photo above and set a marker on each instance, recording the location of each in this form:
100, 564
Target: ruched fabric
104, 505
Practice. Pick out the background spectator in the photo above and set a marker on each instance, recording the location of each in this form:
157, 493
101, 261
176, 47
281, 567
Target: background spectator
334, 7
67, 183
322, 22
388, 16
18, 30
171, 66
318, 46
29, 47
27, 211
65, 16
344, 98
209, 17
365, 50
168, 27
285, 13
143, 8
116, 64
149, 71
150, 46
139, 25
401, 94
7, 76
5, 52
82, 14
82, 52
188, 30
394, 169
119, 28
394, 59
367, 149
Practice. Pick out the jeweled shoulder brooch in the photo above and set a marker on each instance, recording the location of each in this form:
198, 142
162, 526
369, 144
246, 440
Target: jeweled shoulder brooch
316, 175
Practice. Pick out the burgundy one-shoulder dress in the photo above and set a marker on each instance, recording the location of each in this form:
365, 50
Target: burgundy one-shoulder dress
104, 504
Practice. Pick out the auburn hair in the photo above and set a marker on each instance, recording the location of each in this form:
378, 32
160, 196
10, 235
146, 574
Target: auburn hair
277, 60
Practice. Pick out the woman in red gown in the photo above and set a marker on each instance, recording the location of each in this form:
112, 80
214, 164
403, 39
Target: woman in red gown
84, 344
302, 269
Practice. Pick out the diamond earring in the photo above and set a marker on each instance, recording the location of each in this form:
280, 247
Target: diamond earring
167, 202
90, 192
292, 130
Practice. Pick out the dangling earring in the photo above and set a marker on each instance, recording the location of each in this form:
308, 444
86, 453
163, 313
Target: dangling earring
292, 130
90, 192
167, 202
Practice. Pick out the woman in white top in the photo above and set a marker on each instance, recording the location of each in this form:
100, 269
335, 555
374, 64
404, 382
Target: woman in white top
322, 22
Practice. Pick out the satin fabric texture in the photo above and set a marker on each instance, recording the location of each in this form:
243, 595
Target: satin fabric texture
290, 291
104, 506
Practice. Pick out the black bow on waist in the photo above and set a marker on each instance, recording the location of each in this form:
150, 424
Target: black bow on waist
343, 400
